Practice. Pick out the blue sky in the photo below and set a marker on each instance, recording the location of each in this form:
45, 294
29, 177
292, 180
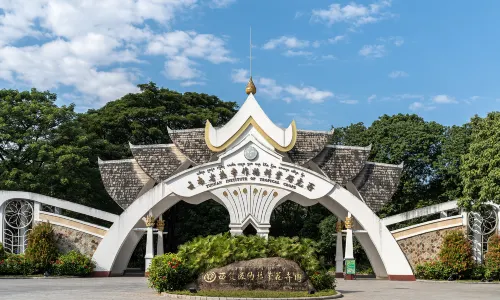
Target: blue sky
319, 62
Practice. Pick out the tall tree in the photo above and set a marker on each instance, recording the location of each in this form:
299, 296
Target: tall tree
142, 118
401, 138
448, 184
43, 150
480, 170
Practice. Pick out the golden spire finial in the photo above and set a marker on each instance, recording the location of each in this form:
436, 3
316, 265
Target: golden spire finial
250, 86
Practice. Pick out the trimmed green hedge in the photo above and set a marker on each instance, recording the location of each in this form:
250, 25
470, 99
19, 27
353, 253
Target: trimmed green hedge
204, 253
213, 251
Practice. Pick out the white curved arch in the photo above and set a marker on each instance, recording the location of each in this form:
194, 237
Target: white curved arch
385, 254
96, 213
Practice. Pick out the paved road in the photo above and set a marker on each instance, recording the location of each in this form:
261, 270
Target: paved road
132, 288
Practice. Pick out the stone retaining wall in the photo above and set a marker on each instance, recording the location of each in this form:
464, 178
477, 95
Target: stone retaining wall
68, 239
424, 247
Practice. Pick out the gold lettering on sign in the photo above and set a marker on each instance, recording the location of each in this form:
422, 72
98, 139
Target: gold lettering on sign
278, 276
210, 277
260, 276
250, 276
288, 277
241, 276
298, 277
231, 276
222, 276
270, 275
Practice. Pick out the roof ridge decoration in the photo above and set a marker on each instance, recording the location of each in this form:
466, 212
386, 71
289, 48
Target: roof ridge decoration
250, 113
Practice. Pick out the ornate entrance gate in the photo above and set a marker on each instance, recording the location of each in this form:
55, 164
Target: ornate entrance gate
250, 166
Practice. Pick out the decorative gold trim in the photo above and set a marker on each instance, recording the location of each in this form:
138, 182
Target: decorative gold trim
348, 222
149, 220
250, 121
339, 226
160, 225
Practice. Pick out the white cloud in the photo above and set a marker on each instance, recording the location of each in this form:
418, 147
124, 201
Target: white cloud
309, 93
398, 74
316, 44
297, 53
190, 44
80, 44
287, 42
420, 106
349, 101
269, 87
443, 99
336, 39
395, 40
240, 75
328, 57
221, 3
373, 51
371, 98
352, 13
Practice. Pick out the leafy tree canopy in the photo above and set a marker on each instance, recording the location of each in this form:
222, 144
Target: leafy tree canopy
142, 118
480, 169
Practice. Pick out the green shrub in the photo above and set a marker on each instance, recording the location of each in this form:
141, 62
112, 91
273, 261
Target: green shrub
41, 248
478, 272
435, 270
302, 251
74, 264
204, 253
492, 258
16, 264
2, 252
456, 253
322, 281
168, 272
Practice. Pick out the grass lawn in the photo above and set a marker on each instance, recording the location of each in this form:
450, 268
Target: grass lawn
256, 294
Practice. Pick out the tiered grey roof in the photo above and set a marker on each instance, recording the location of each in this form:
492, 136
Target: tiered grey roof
377, 183
125, 179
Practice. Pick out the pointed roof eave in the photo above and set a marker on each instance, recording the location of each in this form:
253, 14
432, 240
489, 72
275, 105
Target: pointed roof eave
250, 113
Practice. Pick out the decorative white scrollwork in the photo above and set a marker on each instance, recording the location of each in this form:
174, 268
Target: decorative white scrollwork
18, 219
18, 214
482, 225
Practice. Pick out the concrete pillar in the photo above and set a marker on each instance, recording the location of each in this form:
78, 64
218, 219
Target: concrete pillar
349, 249
477, 239
160, 225
150, 221
37, 207
339, 253
263, 232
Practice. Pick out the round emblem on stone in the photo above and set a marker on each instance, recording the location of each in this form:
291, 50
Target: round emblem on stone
251, 153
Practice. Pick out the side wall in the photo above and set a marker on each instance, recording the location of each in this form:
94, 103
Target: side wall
72, 234
424, 247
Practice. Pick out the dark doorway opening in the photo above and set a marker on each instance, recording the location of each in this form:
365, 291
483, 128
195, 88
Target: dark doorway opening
250, 230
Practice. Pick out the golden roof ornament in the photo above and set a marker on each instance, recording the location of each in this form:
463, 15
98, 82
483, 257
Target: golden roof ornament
251, 87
